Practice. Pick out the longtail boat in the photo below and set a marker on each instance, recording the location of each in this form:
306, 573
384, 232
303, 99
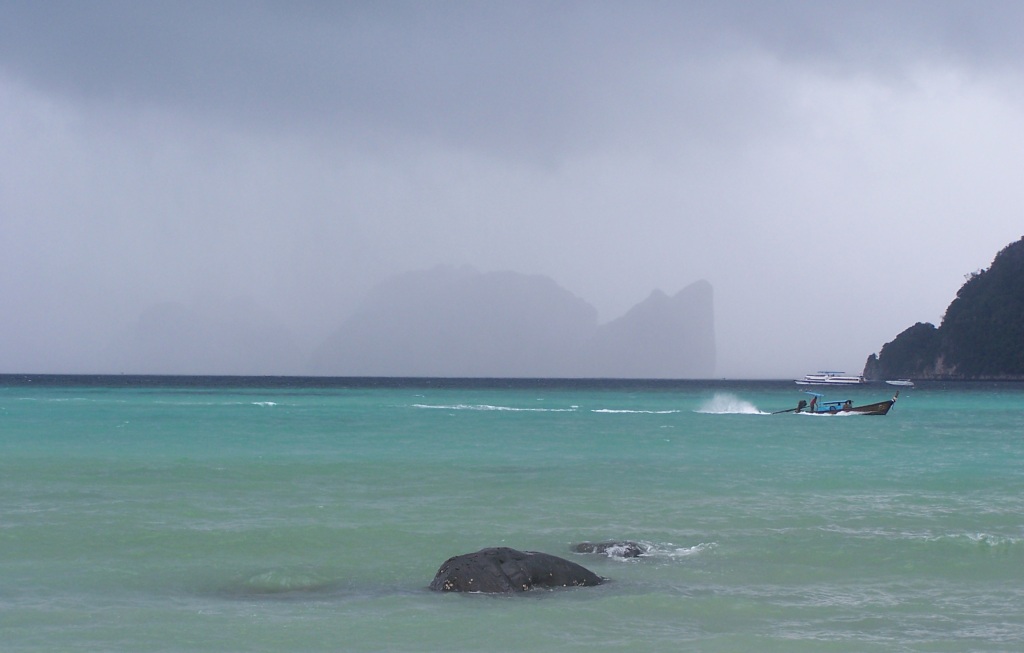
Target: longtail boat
840, 407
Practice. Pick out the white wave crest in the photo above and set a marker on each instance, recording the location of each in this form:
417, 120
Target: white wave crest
971, 539
497, 408
672, 551
659, 550
986, 540
640, 412
728, 404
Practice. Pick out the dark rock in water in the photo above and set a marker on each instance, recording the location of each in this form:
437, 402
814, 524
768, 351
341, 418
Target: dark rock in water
612, 549
505, 570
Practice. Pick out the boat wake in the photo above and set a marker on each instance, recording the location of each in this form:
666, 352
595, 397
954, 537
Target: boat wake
728, 404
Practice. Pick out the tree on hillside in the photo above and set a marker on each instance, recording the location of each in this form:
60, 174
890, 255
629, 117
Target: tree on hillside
912, 353
983, 329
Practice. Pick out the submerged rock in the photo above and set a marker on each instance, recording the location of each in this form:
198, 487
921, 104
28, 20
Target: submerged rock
612, 549
504, 570
280, 583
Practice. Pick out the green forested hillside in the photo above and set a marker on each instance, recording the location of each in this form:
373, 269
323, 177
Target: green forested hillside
981, 335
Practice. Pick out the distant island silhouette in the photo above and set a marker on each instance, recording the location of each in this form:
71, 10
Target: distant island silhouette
459, 322
981, 336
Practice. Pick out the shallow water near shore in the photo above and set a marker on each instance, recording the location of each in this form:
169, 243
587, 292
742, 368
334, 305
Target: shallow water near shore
159, 514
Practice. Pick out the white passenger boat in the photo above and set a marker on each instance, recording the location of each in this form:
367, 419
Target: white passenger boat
830, 378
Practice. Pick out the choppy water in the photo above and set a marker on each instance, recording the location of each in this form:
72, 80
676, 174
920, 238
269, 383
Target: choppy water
310, 515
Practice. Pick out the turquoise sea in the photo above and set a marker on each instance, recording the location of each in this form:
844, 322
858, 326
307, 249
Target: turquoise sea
285, 514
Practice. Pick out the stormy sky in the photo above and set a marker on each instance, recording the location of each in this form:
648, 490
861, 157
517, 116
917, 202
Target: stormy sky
833, 169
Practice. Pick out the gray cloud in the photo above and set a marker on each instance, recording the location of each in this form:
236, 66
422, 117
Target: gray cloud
552, 74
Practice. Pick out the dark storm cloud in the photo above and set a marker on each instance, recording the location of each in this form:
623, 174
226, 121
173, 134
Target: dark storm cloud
473, 74
541, 76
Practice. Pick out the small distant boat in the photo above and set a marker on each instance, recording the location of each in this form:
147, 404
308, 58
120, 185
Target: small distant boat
906, 383
840, 407
830, 378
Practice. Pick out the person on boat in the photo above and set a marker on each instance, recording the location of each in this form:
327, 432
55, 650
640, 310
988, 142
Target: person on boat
814, 403
847, 405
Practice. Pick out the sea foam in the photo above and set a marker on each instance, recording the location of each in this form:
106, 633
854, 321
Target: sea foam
486, 407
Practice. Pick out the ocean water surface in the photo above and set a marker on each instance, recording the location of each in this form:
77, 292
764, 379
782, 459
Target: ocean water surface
284, 514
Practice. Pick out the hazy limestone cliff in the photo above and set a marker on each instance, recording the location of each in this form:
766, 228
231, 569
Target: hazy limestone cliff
661, 337
459, 322
981, 335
